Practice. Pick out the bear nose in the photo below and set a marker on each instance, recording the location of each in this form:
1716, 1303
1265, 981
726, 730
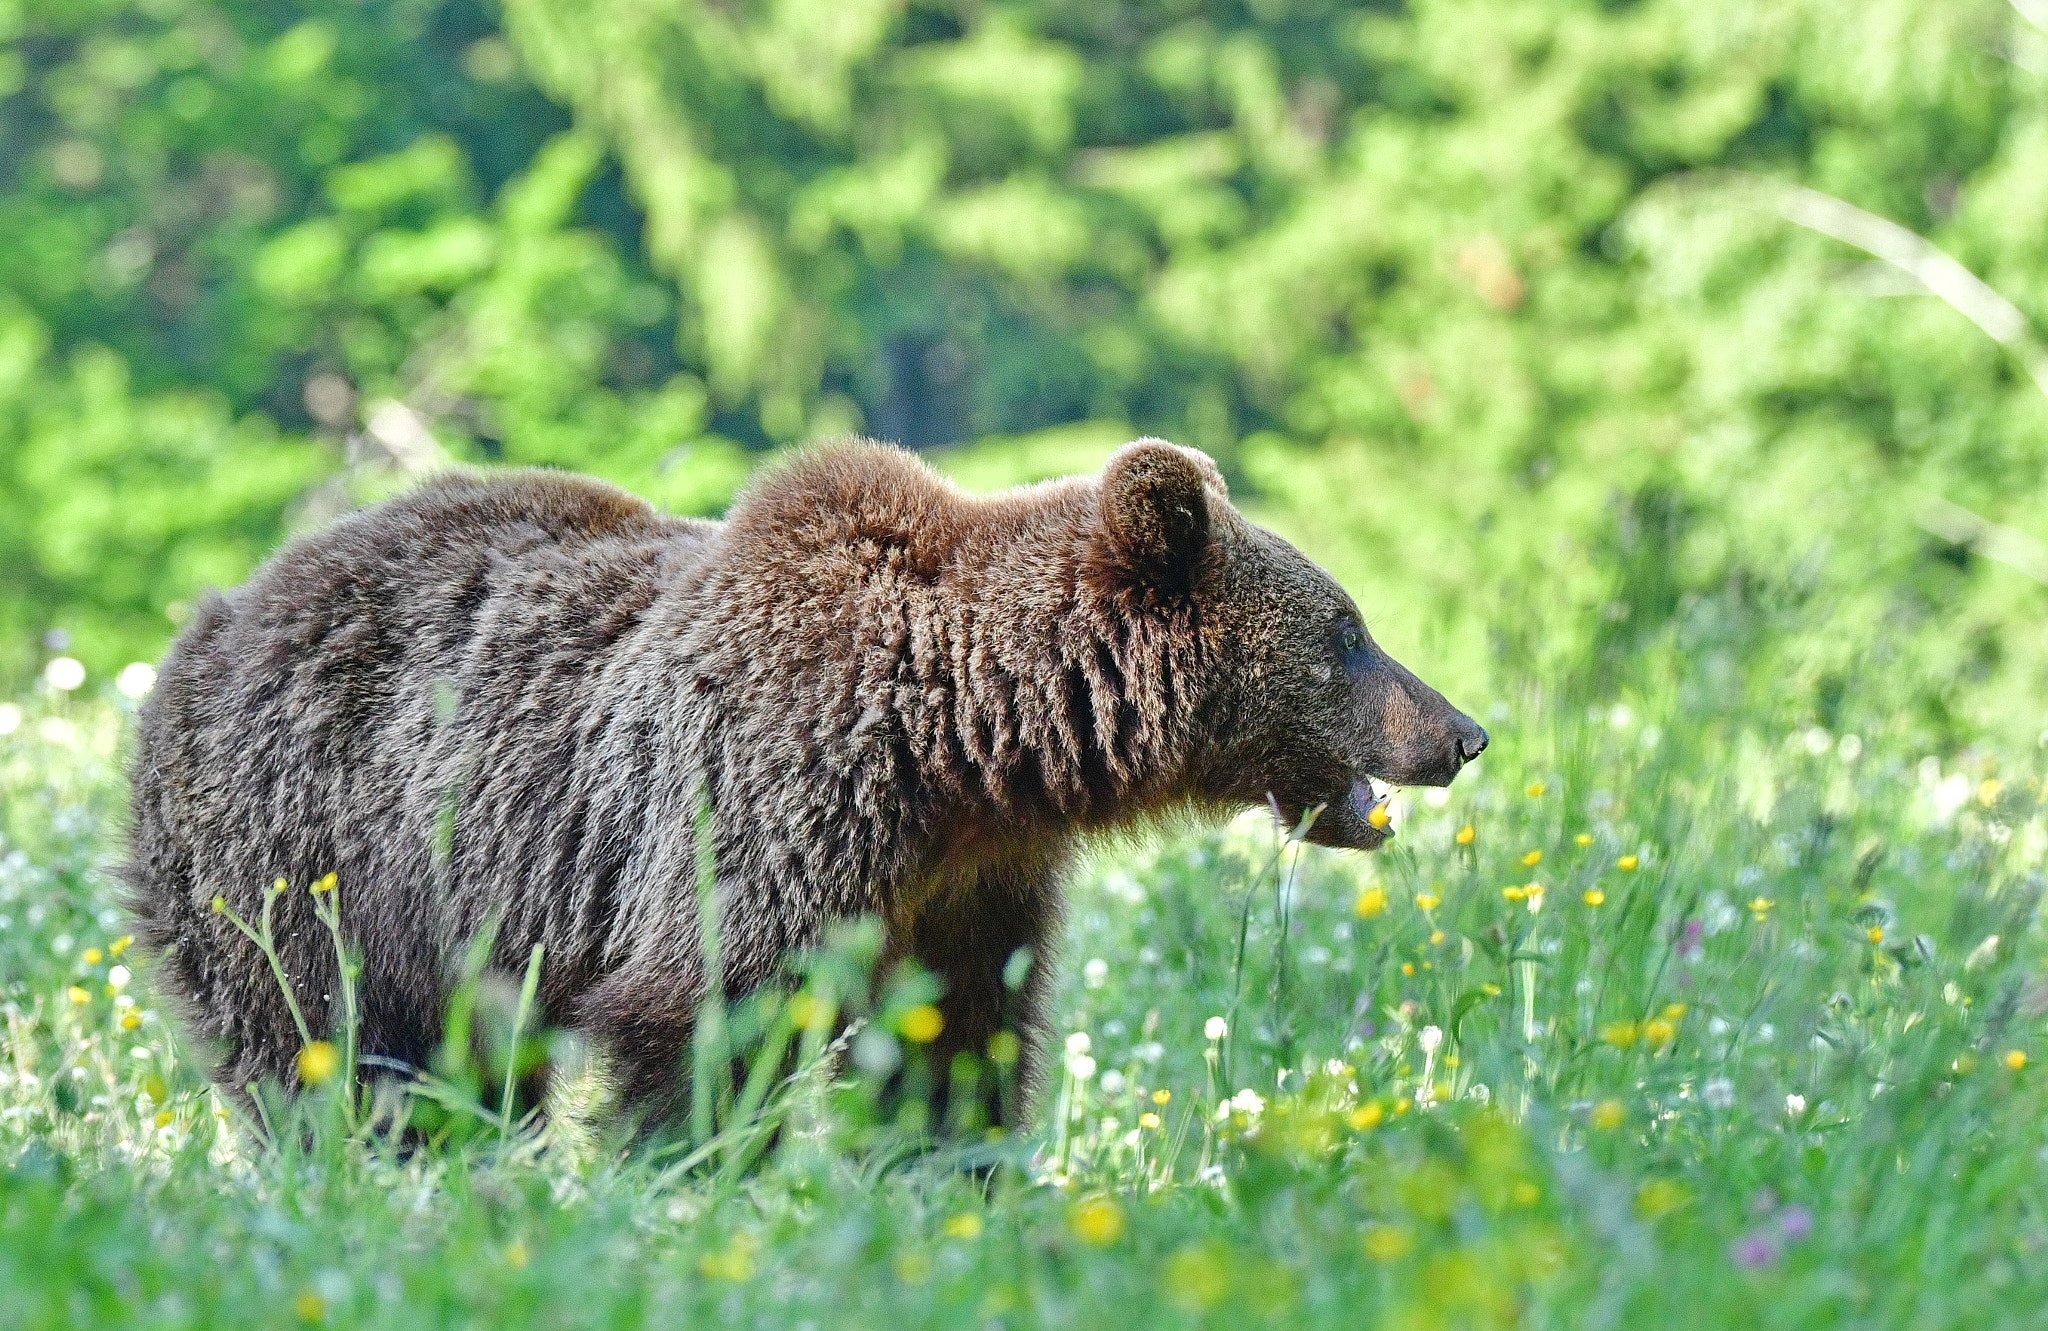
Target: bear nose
1471, 745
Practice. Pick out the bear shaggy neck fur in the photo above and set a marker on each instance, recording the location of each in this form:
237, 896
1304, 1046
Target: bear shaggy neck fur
895, 698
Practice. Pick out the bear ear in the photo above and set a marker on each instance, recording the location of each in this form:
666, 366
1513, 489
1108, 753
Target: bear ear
1155, 510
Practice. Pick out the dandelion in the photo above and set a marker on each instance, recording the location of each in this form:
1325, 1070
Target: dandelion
1760, 907
1535, 790
1387, 1243
1366, 1117
922, 1024
1583, 839
1149, 1121
310, 1307
1719, 1093
1427, 901
1465, 835
1097, 1221
92, 956
1402, 1106
1626, 863
1162, 1096
1619, 1034
2016, 1059
1371, 903
317, 1063
966, 1225
1594, 896
120, 945
1215, 1028
1609, 1115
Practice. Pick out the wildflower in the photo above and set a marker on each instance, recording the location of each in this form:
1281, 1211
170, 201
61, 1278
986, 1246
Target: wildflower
1161, 1096
91, 956
220, 903
77, 995
1097, 1221
1626, 862
1620, 1034
1379, 817
164, 1118
1594, 896
1427, 901
1609, 1115
1533, 896
1465, 835
1583, 839
1719, 1093
318, 1062
279, 885
1673, 1011
118, 977
1248, 1102
736, 1263
1079, 1043
516, 1254
326, 884
1215, 1028
1407, 968
310, 1307
1429, 1038
922, 1024
1535, 790
1388, 1243
1875, 933
1760, 907
120, 945
1659, 1197
1149, 1121
1795, 1106
1436, 937
1514, 893
1366, 1117
2015, 1059
1533, 858
1082, 1066
1987, 791
1659, 1032
1402, 1106
130, 1020
1371, 903
966, 1225
1753, 1252
1490, 989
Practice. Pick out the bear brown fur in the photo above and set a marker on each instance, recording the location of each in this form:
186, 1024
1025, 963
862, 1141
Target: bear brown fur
504, 697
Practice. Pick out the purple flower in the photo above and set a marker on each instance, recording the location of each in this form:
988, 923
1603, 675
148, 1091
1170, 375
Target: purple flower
1796, 1222
1754, 1251
1690, 947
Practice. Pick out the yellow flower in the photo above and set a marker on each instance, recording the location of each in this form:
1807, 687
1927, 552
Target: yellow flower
1609, 1115
1097, 1221
1514, 893
1490, 989
165, 1117
966, 1225
1583, 839
318, 1062
806, 1011
1533, 894
1402, 1105
2016, 1059
1594, 896
1535, 789
220, 903
1379, 817
1659, 1197
1626, 862
279, 885
326, 884
1659, 1032
1533, 858
1875, 933
92, 956
515, 1253
1673, 1011
1465, 835
77, 995
130, 1020
1760, 907
1387, 1243
1620, 1034
120, 945
1371, 902
1427, 901
1450, 1060
1987, 792
922, 1024
1366, 1117
1407, 968
1436, 936
1161, 1096
310, 1307
1148, 1120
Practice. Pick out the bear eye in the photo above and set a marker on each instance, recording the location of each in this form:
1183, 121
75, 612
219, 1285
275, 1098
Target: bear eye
1351, 646
1352, 640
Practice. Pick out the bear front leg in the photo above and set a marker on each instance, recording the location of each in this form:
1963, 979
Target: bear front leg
969, 941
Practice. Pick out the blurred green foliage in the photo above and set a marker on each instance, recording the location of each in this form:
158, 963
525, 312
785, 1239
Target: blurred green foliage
1483, 303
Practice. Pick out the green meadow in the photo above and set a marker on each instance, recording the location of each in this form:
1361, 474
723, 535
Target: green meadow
1667, 380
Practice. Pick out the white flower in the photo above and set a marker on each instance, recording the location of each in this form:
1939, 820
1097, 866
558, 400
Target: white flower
136, 680
1215, 1028
1096, 973
64, 673
10, 718
1149, 1052
1248, 1102
118, 977
1333, 1067
1719, 1093
1479, 1092
1795, 1105
1079, 1043
1429, 1038
1112, 1082
1082, 1066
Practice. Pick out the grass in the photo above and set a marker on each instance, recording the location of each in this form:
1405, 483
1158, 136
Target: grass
1766, 1049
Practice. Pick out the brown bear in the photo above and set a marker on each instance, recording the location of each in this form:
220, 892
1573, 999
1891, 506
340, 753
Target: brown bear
508, 696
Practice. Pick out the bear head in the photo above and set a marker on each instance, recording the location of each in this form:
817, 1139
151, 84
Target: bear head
1296, 704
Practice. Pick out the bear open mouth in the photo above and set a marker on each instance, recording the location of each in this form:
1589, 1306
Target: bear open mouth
1369, 798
